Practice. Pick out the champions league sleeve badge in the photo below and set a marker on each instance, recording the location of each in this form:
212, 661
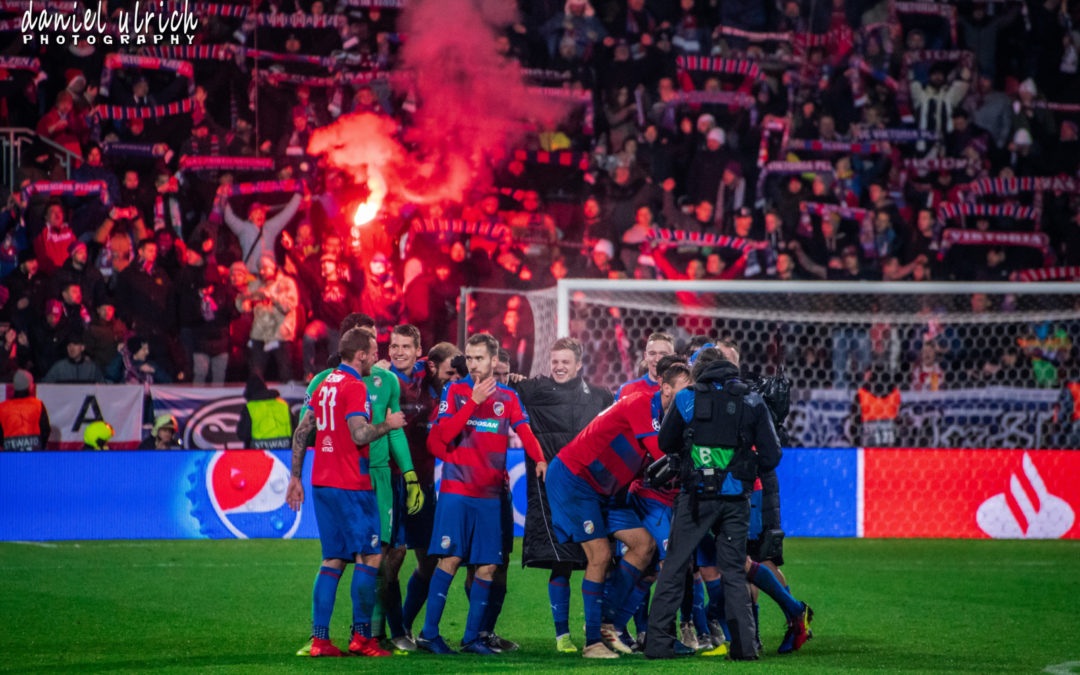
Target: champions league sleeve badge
241, 493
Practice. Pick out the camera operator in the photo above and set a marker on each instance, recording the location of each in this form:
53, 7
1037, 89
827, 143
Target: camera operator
719, 423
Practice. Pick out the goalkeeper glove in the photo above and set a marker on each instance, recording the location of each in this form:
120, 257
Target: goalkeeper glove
414, 496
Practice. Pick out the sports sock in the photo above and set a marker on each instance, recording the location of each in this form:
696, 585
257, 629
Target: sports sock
478, 604
436, 603
559, 594
715, 610
392, 608
415, 595
634, 600
322, 601
701, 621
592, 593
641, 616
496, 596
619, 584
762, 577
363, 598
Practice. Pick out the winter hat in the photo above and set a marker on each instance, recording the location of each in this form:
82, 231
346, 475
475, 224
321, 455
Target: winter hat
606, 247
717, 134
1028, 87
76, 245
72, 78
23, 380
1022, 137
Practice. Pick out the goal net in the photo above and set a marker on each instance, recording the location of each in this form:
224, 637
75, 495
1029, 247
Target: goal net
872, 364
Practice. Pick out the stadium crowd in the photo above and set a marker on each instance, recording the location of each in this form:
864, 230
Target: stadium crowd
736, 139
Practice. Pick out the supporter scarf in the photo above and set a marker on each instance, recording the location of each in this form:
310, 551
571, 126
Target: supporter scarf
665, 236
20, 63
262, 54
953, 236
381, 4
1012, 186
68, 188
260, 187
488, 230
301, 21
209, 9
212, 163
582, 97
735, 98
787, 168
898, 135
835, 146
146, 150
115, 61
935, 164
717, 65
855, 74
327, 82
946, 211
821, 209
174, 212
930, 55
945, 11
119, 112
548, 75
1067, 273
125, 213
193, 52
753, 36
1057, 107
579, 160
770, 124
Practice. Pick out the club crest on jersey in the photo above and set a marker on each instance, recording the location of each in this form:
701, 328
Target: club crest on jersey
589, 527
445, 543
499, 408
377, 380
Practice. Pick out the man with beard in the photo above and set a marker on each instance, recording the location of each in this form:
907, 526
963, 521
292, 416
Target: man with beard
560, 406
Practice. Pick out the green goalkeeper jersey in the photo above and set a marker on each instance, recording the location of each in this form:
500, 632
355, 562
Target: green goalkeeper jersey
384, 393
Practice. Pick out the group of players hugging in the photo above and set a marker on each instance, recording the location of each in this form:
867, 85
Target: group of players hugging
377, 428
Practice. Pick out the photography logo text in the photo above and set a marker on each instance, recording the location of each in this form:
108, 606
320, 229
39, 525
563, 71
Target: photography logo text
73, 23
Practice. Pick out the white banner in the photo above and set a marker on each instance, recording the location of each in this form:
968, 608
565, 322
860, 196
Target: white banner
73, 407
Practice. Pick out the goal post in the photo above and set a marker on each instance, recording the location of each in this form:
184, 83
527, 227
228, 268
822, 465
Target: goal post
975, 364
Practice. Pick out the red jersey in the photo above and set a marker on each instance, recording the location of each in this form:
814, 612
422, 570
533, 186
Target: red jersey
339, 462
642, 384
475, 463
611, 451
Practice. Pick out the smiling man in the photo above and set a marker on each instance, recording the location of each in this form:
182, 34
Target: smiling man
559, 406
657, 347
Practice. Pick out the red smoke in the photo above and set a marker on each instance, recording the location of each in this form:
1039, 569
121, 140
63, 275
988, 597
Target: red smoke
472, 106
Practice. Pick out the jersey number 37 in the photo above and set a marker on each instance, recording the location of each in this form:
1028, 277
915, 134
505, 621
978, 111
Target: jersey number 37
324, 413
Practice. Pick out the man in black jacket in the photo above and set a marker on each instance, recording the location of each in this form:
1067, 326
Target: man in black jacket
559, 407
718, 474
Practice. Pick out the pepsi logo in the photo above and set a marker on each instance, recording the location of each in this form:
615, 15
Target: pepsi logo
247, 492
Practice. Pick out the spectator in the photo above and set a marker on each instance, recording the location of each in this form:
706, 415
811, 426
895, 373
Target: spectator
273, 300
64, 125
97, 436
77, 270
258, 234
24, 421
77, 368
146, 298
163, 435
104, 336
132, 365
54, 240
382, 297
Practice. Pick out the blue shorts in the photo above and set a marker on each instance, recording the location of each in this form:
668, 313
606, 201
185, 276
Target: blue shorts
469, 528
418, 527
656, 518
348, 522
397, 517
577, 510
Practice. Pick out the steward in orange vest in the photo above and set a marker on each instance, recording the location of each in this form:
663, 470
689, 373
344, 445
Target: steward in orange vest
24, 422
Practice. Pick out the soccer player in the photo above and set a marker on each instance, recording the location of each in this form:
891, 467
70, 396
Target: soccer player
384, 393
471, 436
559, 407
657, 346
345, 506
421, 382
604, 458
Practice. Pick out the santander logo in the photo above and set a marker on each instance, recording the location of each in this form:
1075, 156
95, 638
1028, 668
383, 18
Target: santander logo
1027, 510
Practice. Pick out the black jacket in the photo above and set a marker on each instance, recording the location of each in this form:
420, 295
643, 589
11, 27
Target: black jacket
757, 424
557, 413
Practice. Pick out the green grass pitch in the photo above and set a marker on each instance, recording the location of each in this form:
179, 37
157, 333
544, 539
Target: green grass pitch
245, 606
